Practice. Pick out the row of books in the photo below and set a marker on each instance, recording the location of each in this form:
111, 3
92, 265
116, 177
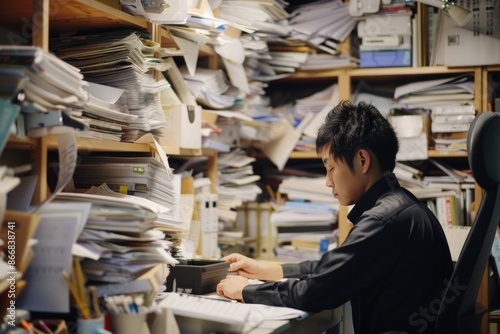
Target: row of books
448, 192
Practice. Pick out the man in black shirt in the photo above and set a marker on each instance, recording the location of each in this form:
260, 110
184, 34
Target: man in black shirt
395, 261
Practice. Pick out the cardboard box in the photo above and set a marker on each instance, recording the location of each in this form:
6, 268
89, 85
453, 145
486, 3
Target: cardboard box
198, 277
183, 126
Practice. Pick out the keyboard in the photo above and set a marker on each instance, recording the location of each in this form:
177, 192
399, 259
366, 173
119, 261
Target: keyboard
197, 314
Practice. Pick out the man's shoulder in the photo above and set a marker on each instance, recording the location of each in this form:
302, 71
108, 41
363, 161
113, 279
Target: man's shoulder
394, 202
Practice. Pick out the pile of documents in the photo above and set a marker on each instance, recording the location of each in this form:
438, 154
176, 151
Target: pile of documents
325, 61
237, 184
106, 114
48, 82
40, 82
322, 24
267, 17
143, 177
310, 212
450, 103
159, 11
455, 90
211, 88
119, 241
123, 60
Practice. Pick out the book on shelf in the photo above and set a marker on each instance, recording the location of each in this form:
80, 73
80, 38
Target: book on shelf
449, 210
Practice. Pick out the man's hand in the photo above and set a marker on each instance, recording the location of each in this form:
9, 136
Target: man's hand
232, 287
242, 265
251, 268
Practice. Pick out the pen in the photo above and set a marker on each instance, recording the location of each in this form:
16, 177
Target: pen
110, 304
45, 327
130, 305
79, 280
139, 303
26, 326
95, 301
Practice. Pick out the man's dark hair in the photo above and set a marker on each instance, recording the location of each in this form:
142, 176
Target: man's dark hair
349, 127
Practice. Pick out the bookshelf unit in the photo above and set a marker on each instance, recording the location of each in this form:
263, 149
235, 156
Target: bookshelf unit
34, 21
349, 79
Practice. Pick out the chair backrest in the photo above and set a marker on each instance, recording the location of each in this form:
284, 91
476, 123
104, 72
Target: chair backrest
459, 312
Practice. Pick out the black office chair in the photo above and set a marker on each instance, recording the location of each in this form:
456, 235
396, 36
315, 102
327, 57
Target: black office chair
459, 311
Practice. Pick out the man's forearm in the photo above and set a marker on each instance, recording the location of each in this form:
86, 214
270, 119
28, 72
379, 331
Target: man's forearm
271, 271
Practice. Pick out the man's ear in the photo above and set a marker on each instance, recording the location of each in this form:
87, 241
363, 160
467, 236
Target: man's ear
364, 159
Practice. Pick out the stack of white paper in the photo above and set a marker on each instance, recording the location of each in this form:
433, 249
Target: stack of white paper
47, 84
320, 22
143, 177
325, 61
267, 16
211, 88
118, 241
105, 112
161, 12
450, 101
237, 183
311, 189
448, 91
122, 60
310, 209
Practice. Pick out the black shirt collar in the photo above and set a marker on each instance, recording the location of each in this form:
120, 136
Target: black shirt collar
388, 182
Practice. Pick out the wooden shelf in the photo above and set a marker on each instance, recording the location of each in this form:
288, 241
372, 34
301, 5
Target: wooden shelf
493, 68
432, 154
447, 154
70, 15
97, 145
304, 155
314, 75
379, 72
408, 71
17, 143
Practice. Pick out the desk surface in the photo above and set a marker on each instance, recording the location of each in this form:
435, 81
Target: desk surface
314, 323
